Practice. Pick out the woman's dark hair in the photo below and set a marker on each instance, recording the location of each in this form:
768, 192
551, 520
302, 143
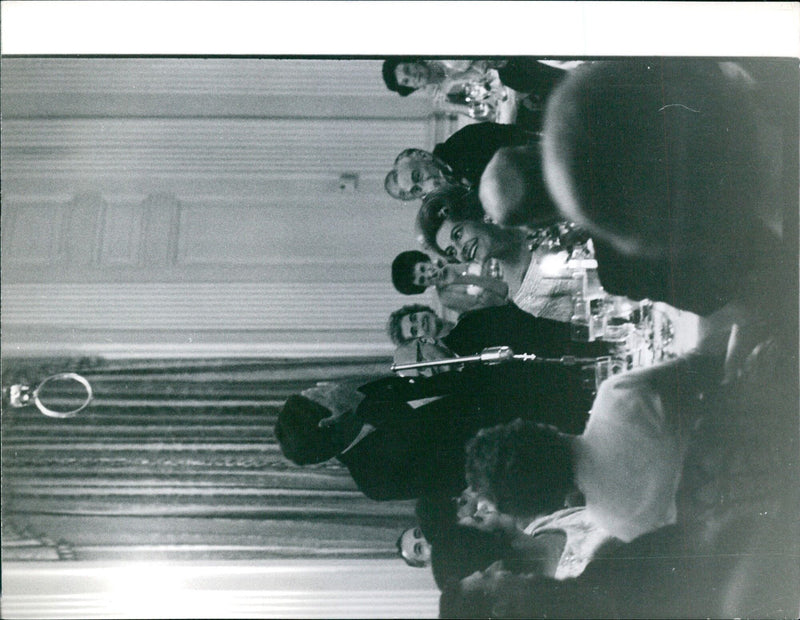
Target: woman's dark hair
389, 77
403, 271
453, 203
524, 466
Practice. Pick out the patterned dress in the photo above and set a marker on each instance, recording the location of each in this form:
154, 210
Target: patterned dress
545, 296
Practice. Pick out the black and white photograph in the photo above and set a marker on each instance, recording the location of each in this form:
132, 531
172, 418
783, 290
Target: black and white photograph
400, 327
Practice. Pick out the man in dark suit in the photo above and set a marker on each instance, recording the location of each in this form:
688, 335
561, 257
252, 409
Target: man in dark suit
510, 326
404, 438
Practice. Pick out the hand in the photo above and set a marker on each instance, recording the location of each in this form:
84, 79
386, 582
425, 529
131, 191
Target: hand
481, 513
339, 398
422, 350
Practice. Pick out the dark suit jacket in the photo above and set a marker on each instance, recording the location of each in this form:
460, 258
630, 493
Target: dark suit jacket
421, 451
528, 75
417, 452
510, 326
411, 452
469, 149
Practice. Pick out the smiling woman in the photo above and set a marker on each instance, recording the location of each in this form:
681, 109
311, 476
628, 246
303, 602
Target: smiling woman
179, 227
450, 222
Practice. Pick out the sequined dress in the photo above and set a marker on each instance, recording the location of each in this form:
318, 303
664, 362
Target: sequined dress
545, 296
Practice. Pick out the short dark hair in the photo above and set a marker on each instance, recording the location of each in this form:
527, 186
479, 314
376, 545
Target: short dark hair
299, 436
403, 271
454, 203
389, 77
457, 550
525, 467
393, 326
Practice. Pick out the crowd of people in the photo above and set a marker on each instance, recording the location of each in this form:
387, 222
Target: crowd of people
667, 490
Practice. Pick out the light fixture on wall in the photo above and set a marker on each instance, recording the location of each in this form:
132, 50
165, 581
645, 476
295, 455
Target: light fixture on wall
348, 182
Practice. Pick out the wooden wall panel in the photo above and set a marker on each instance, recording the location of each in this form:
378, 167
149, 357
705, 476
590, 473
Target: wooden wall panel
252, 589
82, 230
269, 157
32, 235
121, 235
197, 175
200, 306
160, 230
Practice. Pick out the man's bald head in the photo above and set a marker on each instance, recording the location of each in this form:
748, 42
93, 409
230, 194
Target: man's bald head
656, 157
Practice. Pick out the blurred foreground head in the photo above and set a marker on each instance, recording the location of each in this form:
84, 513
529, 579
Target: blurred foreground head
659, 158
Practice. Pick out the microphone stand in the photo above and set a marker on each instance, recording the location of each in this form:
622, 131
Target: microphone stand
496, 355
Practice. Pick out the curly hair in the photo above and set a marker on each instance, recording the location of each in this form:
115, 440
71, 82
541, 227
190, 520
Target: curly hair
390, 78
453, 203
403, 271
524, 466
393, 326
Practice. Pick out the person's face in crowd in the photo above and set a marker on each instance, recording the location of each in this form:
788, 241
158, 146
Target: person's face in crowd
412, 74
418, 177
415, 549
420, 325
427, 273
467, 241
476, 510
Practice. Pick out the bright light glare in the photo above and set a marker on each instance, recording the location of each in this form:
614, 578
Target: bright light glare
154, 591
553, 264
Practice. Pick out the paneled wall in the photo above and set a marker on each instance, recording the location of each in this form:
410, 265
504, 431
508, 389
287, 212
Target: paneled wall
194, 206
